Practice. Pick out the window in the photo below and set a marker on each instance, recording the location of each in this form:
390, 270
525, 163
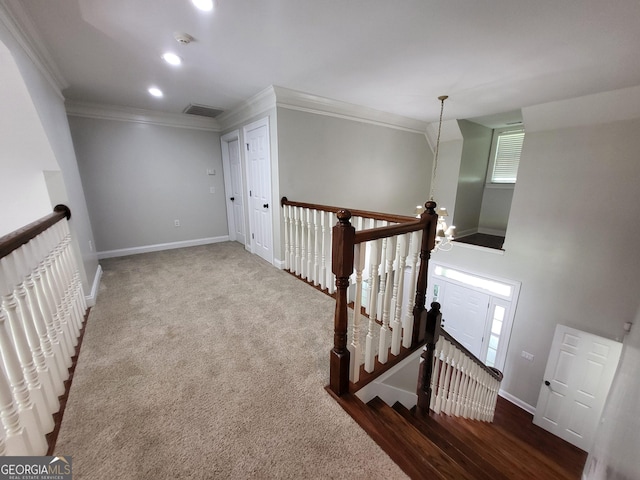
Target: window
505, 158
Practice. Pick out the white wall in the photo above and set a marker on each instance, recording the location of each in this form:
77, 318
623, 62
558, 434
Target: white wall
572, 230
496, 205
140, 177
27, 175
335, 161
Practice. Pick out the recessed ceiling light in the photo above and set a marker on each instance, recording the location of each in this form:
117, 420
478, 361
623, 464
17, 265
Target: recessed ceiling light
172, 58
204, 5
156, 92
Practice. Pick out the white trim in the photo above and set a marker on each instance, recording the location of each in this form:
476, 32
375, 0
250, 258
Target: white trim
91, 299
21, 28
139, 115
123, 252
278, 263
464, 233
259, 104
305, 102
492, 231
274, 96
517, 402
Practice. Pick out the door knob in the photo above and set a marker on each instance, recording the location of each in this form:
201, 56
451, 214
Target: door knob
266, 205
547, 383
232, 198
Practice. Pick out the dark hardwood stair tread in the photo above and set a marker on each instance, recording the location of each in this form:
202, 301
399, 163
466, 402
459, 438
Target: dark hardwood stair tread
421, 450
515, 457
462, 452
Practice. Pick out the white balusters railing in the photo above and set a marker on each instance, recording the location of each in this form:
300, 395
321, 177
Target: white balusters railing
460, 385
42, 308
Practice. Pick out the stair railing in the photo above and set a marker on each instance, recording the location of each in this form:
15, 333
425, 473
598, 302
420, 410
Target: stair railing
451, 379
375, 249
42, 308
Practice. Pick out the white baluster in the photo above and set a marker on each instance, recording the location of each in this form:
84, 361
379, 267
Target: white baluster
297, 214
456, 358
51, 366
407, 327
303, 242
44, 375
292, 238
383, 277
17, 441
287, 246
310, 242
443, 377
375, 253
435, 371
385, 334
29, 416
359, 255
331, 286
323, 265
464, 387
37, 392
317, 247
398, 293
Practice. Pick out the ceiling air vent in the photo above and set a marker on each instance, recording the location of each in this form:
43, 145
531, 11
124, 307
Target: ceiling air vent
203, 111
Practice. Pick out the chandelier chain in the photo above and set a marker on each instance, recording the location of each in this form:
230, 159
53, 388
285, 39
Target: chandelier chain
435, 157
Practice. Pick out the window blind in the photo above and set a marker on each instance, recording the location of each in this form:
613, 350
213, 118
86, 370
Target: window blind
507, 158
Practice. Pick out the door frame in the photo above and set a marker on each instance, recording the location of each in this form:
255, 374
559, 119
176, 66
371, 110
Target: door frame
495, 299
228, 188
263, 122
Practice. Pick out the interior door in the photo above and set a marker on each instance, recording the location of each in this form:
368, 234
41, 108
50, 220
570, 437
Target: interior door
465, 316
577, 379
236, 199
259, 173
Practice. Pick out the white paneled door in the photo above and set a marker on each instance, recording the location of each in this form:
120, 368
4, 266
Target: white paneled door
576, 382
465, 316
259, 183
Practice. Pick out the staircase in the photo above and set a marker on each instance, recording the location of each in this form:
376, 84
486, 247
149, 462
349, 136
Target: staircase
444, 447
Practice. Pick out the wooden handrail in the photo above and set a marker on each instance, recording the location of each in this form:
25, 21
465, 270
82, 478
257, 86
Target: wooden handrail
494, 372
344, 240
389, 217
14, 240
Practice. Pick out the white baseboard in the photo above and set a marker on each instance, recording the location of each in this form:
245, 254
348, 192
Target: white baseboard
278, 263
516, 401
123, 252
492, 231
91, 299
464, 233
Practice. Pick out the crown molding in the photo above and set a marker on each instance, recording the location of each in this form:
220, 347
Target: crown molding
248, 109
139, 115
305, 102
14, 16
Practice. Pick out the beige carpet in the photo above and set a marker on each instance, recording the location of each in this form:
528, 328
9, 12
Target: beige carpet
207, 362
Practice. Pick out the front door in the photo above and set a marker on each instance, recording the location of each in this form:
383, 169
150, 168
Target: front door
576, 382
465, 316
259, 173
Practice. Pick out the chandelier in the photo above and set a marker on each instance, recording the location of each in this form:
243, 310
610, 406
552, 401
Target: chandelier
444, 232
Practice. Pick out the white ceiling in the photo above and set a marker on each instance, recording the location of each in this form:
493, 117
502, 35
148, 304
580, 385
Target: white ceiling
396, 56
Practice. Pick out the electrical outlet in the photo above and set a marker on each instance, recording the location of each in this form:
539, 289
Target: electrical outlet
211, 171
527, 356
176, 223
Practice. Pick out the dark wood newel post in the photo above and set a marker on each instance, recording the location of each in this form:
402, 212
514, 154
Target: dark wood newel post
342, 267
434, 319
428, 243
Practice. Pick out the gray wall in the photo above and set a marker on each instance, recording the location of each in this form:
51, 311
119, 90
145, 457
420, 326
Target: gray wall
49, 105
496, 205
340, 162
140, 177
572, 229
471, 177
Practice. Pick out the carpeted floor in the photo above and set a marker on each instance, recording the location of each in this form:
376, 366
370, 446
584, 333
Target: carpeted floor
207, 362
